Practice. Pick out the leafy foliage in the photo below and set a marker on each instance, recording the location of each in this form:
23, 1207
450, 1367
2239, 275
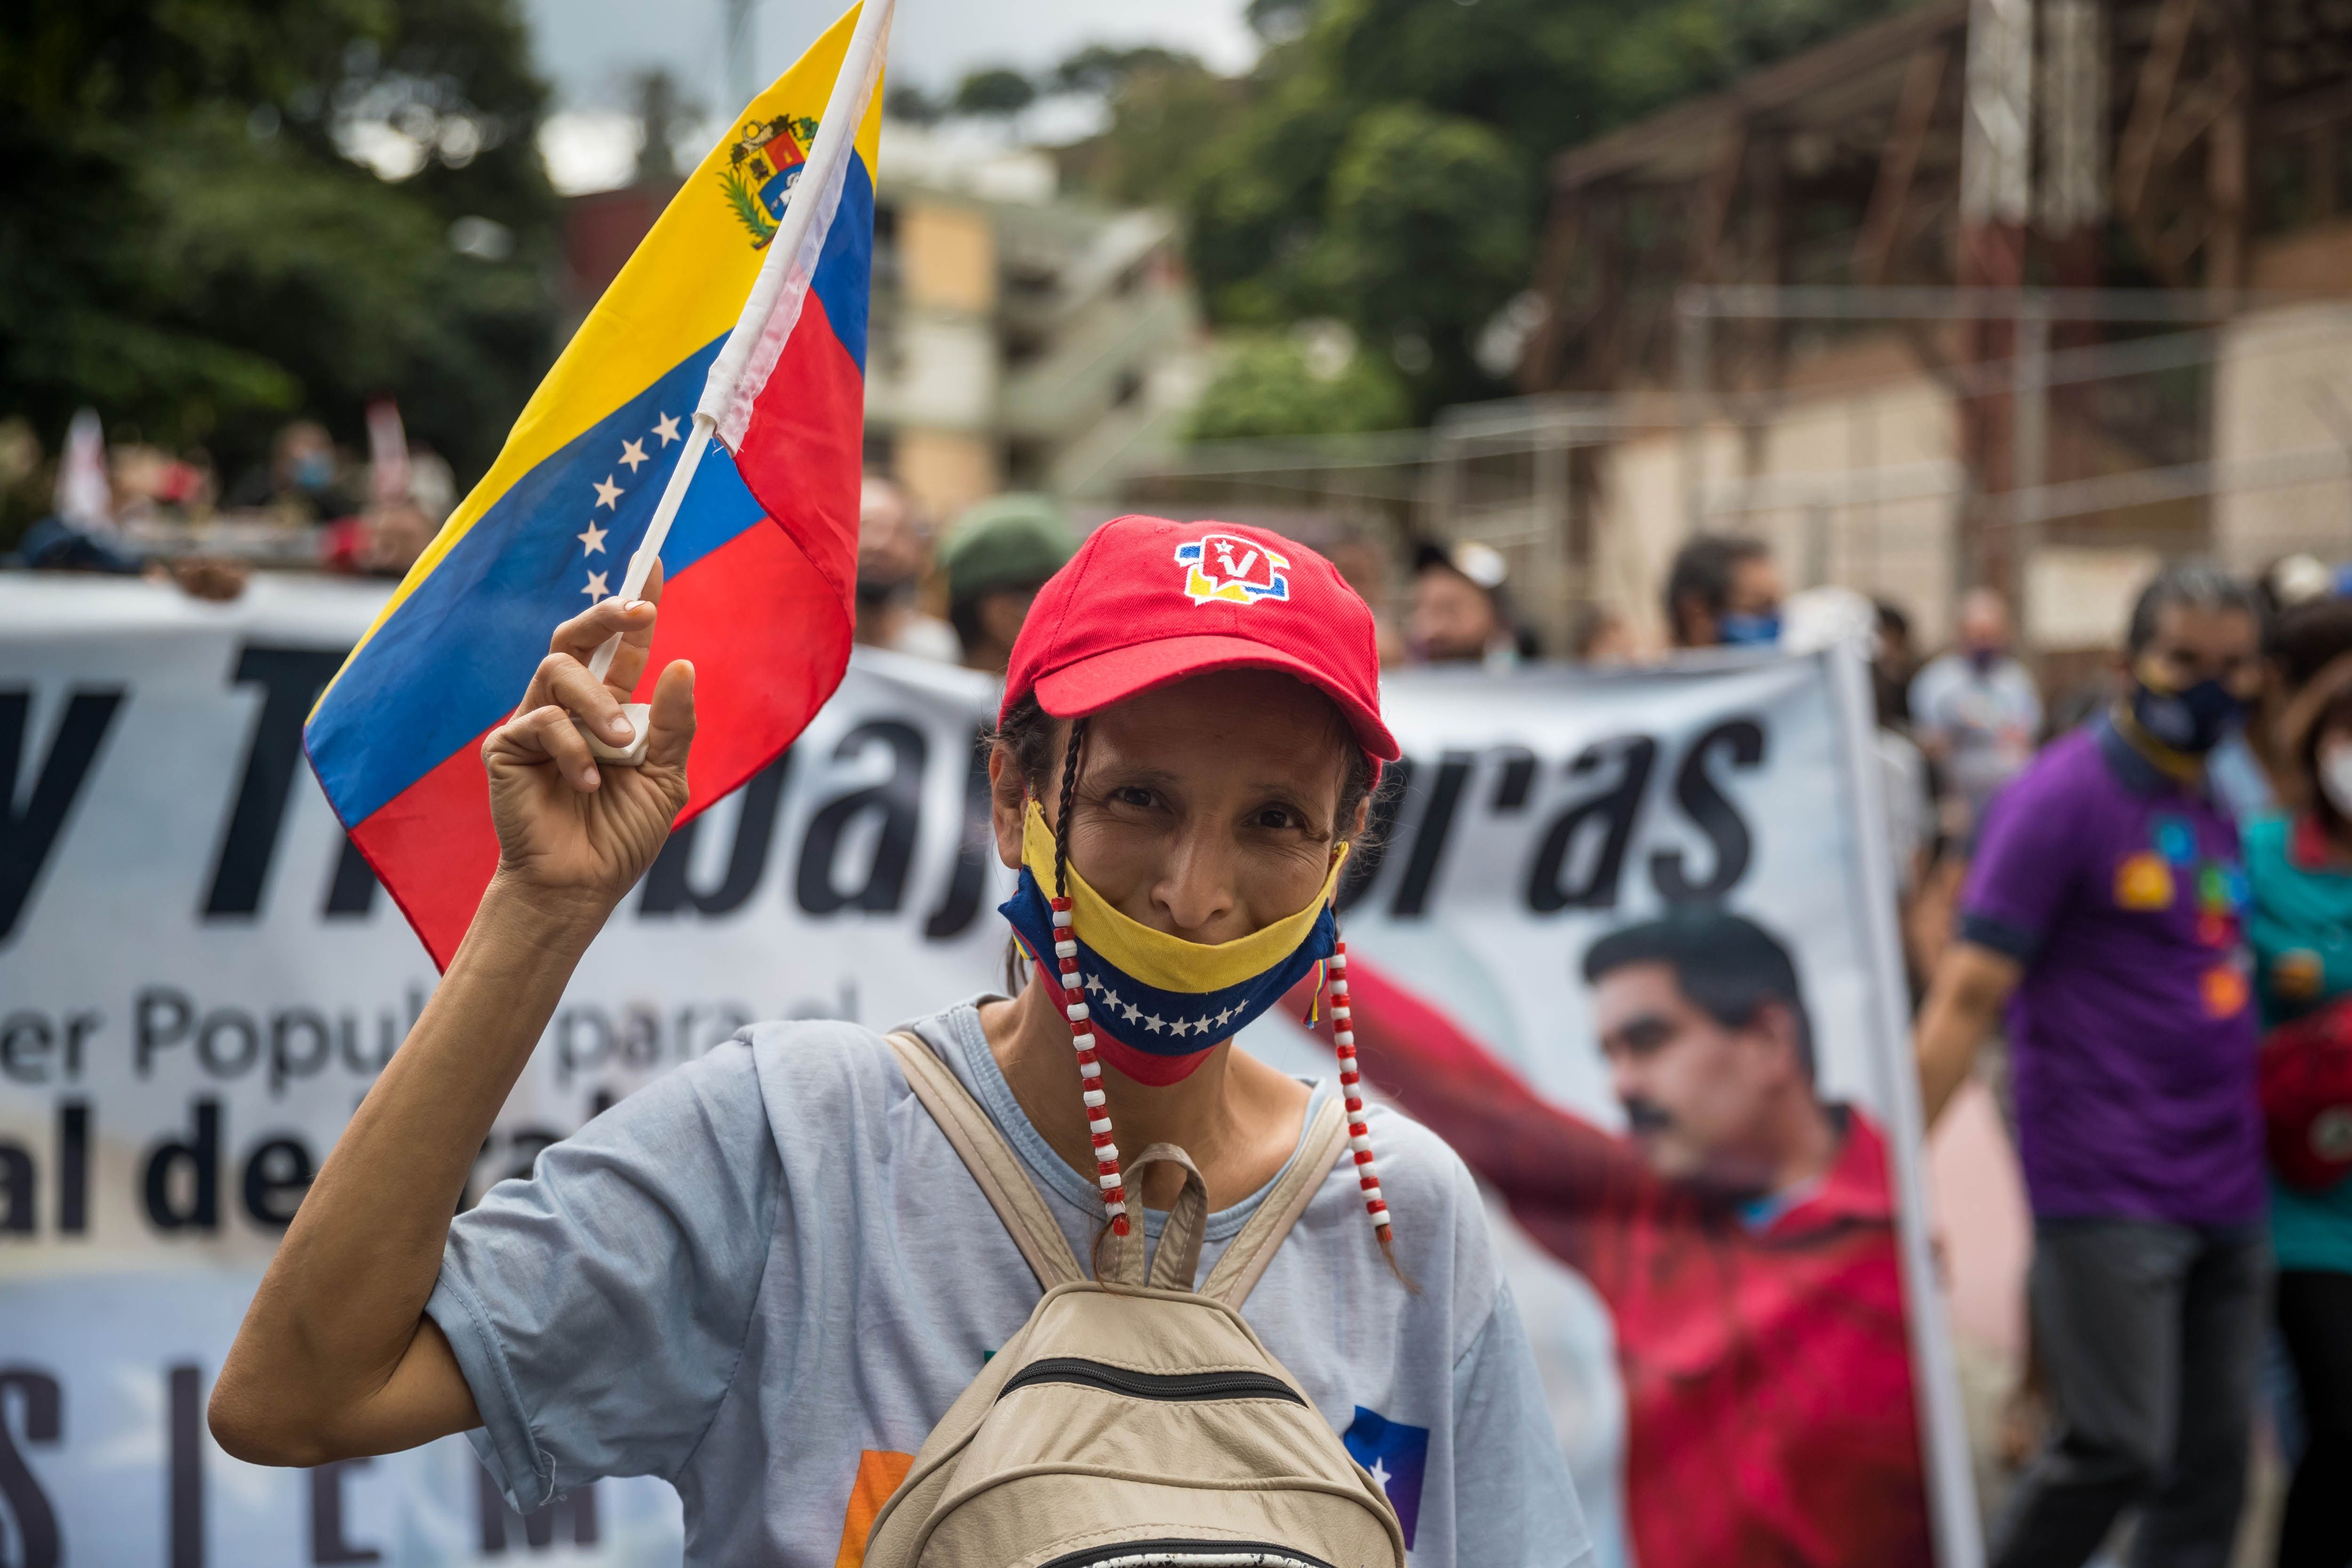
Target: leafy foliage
194, 249
1386, 166
997, 90
1268, 385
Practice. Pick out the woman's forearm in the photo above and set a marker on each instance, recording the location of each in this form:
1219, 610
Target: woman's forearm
322, 1348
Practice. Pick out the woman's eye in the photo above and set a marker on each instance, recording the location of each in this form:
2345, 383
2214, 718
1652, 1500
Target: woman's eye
1276, 816
1129, 795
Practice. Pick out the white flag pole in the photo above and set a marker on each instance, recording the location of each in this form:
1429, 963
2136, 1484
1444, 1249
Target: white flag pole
784, 279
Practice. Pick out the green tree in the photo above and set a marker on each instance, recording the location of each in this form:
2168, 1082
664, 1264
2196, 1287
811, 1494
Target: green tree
1386, 164
997, 90
1274, 387
199, 245
1165, 106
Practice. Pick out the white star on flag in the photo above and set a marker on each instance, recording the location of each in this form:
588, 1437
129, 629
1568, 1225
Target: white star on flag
592, 541
1130, 1009
667, 429
633, 453
608, 494
595, 588
1223, 1016
1152, 1023
1379, 1473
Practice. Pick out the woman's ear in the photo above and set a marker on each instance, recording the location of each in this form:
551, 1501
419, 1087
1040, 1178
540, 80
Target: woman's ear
1008, 805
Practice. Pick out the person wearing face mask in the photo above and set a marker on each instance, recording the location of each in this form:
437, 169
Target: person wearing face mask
1724, 591
893, 552
1975, 711
304, 480
2104, 912
766, 1275
2299, 865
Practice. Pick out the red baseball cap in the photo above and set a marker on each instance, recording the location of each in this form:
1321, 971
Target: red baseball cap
1146, 601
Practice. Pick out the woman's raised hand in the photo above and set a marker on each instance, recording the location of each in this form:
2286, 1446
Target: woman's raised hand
570, 826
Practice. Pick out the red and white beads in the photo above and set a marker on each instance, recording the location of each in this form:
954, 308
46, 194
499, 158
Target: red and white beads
1082, 1036
1351, 1082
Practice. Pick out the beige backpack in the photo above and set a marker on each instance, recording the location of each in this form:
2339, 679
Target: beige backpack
1133, 1422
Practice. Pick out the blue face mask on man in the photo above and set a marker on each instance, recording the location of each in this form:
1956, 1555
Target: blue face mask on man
1744, 629
2195, 720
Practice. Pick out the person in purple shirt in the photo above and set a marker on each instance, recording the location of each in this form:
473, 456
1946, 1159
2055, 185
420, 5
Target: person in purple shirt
2104, 911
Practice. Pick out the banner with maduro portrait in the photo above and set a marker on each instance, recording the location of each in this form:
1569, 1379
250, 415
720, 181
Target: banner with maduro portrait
1625, 939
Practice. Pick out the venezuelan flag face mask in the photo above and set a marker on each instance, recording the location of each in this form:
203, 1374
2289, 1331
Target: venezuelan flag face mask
1158, 1002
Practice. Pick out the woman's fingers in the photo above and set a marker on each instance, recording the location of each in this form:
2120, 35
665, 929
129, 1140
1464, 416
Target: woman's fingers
594, 702
584, 632
636, 639
541, 735
672, 724
562, 741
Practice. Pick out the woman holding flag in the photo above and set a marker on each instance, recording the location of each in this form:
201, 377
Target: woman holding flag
766, 1275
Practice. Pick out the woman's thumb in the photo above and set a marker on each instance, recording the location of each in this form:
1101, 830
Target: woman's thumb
672, 725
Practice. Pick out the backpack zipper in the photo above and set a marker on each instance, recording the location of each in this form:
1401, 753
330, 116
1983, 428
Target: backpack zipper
1188, 1555
1153, 1384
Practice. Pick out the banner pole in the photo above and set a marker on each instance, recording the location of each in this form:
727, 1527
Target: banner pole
1945, 1465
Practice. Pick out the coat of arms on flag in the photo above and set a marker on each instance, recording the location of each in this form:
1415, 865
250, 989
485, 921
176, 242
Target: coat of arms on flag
764, 164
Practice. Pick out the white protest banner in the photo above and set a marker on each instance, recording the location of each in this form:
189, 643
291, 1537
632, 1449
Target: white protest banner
198, 981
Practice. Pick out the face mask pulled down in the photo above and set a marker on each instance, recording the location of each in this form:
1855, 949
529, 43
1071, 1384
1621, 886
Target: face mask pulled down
1156, 1001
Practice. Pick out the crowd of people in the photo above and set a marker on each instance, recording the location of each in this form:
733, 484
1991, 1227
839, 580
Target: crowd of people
132, 508
2150, 911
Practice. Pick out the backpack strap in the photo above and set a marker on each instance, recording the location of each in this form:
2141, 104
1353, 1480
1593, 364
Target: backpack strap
991, 1159
1245, 1258
1177, 1263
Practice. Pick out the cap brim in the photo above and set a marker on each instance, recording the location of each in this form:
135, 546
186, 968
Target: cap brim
1092, 684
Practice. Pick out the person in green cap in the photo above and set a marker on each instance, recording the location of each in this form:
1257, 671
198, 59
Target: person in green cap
1001, 552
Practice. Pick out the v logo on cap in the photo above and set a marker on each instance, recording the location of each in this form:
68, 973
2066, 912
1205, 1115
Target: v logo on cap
1223, 569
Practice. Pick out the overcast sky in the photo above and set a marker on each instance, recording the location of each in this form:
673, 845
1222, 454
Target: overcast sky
591, 47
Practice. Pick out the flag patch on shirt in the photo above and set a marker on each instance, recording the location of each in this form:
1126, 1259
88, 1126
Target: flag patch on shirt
1396, 1454
879, 1472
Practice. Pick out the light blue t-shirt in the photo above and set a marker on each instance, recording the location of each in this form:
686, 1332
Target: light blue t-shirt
767, 1266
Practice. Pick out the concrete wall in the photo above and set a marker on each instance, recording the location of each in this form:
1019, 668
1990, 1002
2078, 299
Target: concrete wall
1852, 484
2282, 406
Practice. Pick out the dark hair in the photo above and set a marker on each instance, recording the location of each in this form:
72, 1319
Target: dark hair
2305, 640
1703, 569
2308, 637
1727, 965
2195, 583
963, 613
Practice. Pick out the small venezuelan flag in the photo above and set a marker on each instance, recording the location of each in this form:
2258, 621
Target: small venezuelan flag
758, 565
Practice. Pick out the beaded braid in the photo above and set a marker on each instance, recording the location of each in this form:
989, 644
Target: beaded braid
1065, 952
1351, 1086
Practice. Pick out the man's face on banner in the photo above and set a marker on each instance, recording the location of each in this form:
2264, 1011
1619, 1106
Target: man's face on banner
1698, 1094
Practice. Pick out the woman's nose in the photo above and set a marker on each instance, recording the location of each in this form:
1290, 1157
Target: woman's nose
1196, 887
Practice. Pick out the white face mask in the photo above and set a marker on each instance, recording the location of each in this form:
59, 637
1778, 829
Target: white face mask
2335, 777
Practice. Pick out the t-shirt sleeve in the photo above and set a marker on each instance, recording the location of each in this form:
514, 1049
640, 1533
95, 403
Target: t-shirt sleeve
2027, 865
1925, 700
598, 1308
1513, 1503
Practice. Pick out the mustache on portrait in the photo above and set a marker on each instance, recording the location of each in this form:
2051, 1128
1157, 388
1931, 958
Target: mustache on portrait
1645, 1116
